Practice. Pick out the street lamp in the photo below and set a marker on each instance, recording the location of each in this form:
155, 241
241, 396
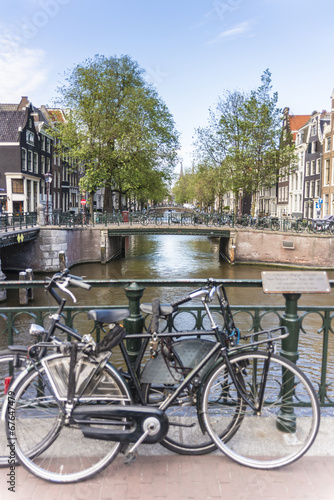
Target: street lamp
48, 180
309, 204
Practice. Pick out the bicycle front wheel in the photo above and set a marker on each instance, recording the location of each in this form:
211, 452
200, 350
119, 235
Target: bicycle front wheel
50, 444
284, 425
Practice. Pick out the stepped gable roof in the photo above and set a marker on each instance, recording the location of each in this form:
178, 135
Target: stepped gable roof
10, 121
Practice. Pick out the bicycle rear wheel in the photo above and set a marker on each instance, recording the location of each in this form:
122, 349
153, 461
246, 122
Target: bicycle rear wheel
47, 442
12, 363
285, 427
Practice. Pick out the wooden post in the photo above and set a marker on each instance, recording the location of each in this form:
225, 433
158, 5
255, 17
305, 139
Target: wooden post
30, 277
62, 261
23, 292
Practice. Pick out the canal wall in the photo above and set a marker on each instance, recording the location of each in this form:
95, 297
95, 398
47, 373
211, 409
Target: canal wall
278, 248
77, 244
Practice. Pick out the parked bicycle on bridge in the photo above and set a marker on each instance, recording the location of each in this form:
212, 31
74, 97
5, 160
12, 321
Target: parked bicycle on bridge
74, 412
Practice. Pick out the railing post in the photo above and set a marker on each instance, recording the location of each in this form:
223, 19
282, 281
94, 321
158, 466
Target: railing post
291, 321
286, 419
135, 323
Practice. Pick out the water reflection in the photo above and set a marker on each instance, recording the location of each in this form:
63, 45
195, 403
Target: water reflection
171, 257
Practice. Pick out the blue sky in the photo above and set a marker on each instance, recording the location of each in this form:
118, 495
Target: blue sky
191, 50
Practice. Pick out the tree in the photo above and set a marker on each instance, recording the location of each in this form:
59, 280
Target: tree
118, 128
218, 145
183, 189
264, 153
244, 140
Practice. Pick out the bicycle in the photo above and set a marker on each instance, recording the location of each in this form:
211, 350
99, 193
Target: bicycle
13, 361
67, 398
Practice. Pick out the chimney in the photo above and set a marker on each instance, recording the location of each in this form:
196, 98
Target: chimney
23, 104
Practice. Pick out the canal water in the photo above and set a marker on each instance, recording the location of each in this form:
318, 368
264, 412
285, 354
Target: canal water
169, 257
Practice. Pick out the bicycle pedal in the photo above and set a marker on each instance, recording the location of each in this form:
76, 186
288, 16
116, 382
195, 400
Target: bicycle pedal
130, 457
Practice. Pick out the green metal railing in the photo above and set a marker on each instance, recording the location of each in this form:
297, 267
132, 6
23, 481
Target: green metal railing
310, 343
22, 220
180, 219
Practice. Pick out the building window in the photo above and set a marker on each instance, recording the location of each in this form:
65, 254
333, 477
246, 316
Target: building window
312, 189
318, 166
328, 144
317, 188
313, 167
35, 163
29, 161
48, 145
42, 164
17, 186
314, 128
24, 159
326, 173
48, 165
43, 142
30, 138
307, 169
326, 204
314, 146
307, 189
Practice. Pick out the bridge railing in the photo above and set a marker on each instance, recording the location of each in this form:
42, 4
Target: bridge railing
22, 220
190, 218
310, 343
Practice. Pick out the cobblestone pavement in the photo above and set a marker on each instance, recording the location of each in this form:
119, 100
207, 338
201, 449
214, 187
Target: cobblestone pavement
177, 477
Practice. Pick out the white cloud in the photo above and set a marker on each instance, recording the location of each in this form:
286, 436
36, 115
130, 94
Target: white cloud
22, 70
237, 30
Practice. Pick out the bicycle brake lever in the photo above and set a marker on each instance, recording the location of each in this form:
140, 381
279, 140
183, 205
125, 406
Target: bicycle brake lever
63, 286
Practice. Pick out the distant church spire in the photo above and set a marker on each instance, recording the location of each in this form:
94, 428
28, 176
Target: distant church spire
181, 170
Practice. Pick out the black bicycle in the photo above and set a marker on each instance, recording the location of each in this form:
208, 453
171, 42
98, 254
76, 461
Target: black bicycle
157, 379
70, 414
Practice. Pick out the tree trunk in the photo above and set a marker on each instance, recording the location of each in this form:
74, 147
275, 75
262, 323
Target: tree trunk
91, 203
107, 201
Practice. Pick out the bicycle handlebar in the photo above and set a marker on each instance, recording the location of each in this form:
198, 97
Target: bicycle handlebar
77, 281
196, 293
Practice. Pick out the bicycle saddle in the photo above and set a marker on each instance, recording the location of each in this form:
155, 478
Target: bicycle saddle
108, 315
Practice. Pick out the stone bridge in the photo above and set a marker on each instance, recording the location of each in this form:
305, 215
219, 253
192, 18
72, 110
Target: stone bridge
40, 248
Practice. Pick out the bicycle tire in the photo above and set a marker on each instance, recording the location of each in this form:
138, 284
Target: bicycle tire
46, 444
186, 434
287, 425
12, 363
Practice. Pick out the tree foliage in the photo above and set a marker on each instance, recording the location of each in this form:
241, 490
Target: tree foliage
243, 141
118, 128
